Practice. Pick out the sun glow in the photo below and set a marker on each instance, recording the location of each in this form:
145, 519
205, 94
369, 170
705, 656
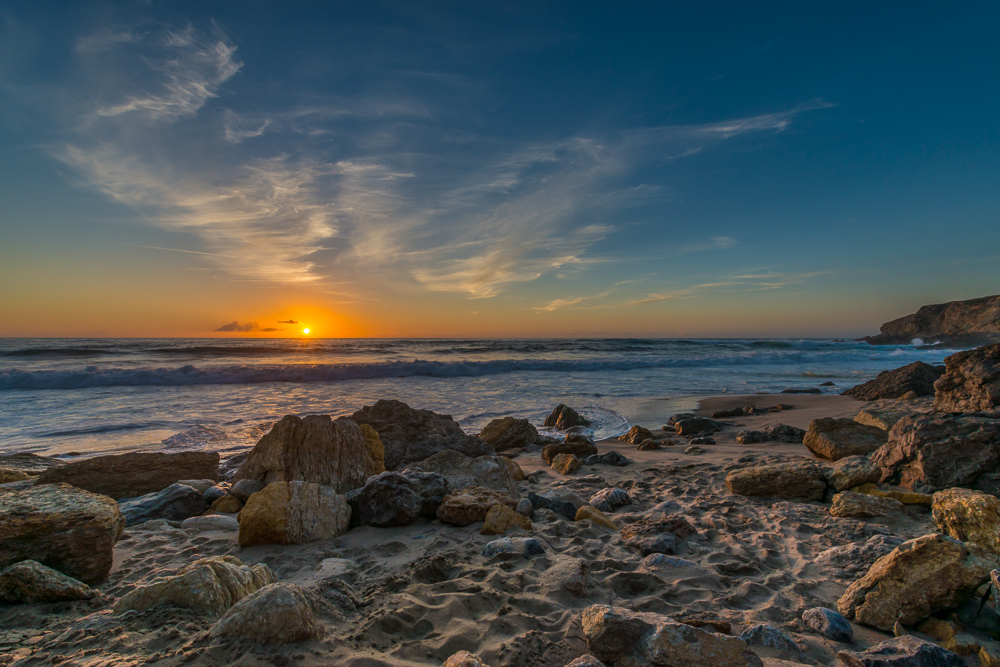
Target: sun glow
305, 331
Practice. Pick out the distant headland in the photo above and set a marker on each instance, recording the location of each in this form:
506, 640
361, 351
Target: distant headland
968, 323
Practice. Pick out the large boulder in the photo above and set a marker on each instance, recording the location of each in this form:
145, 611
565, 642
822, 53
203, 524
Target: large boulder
397, 498
337, 453
509, 433
971, 381
293, 513
917, 377
489, 471
795, 480
933, 452
174, 503
30, 581
904, 651
62, 527
834, 439
968, 516
916, 579
564, 417
279, 613
135, 474
471, 505
209, 585
410, 435
621, 637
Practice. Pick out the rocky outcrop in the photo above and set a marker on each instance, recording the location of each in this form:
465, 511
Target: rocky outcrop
917, 377
397, 498
968, 516
276, 614
62, 527
966, 323
135, 474
904, 651
337, 453
490, 471
834, 439
934, 452
174, 503
209, 586
564, 417
622, 637
861, 505
796, 480
971, 381
509, 433
471, 504
293, 513
916, 579
30, 581
410, 435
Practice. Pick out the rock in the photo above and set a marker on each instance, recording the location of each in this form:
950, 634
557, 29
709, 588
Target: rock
672, 421
883, 419
586, 661
834, 439
524, 507
276, 614
963, 323
636, 434
567, 575
470, 505
560, 507
203, 485
907, 498
659, 559
594, 515
336, 453
657, 534
796, 480
702, 440
517, 547
30, 581
857, 557
386, 500
610, 499
611, 458
784, 433
848, 504
515, 470
905, 651
917, 377
174, 503
697, 426
134, 474
212, 522
564, 417
694, 451
209, 586
580, 447
566, 495
8, 475
213, 493
828, 623
566, 464
245, 488
802, 390
225, 505
509, 433
501, 518
968, 516
851, 471
918, 578
62, 527
751, 437
619, 636
769, 636
293, 513
30, 464
949, 635
653, 445
971, 381
931, 453
736, 412
462, 472
464, 659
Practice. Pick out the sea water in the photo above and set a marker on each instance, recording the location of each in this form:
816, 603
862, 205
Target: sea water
68, 397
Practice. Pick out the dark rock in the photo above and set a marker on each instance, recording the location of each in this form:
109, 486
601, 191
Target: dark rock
32, 464
697, 426
827, 384
410, 435
851, 471
702, 440
971, 381
245, 488
611, 458
917, 377
784, 433
797, 480
672, 421
579, 446
963, 323
746, 410
385, 500
636, 434
509, 433
807, 390
751, 437
174, 503
657, 533
560, 507
213, 493
279, 613
828, 623
651, 445
905, 651
769, 636
564, 417
30, 581
610, 499
834, 439
134, 474
857, 558
491, 471
517, 547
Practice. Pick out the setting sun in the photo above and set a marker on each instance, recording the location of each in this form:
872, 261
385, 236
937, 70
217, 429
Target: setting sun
305, 331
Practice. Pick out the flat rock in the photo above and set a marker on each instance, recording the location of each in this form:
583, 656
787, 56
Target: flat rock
293, 513
221, 522
509, 433
796, 480
279, 613
30, 581
905, 651
856, 558
917, 377
134, 474
174, 503
65, 528
471, 505
564, 417
834, 439
971, 381
31, 464
860, 505
489, 471
517, 547
851, 471
968, 516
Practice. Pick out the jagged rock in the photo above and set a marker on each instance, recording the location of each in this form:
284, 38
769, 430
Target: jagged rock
880, 418
968, 516
751, 437
471, 504
560, 507
276, 614
918, 578
501, 518
337, 453
623, 637
905, 651
917, 377
464, 659
293, 513
848, 504
134, 474
611, 458
30, 581
209, 585
696, 426
515, 470
970, 322
397, 499
509, 433
62, 527
851, 471
636, 434
566, 464
610, 499
784, 433
462, 472
828, 623
517, 547
594, 515
245, 488
769, 636
931, 453
971, 381
564, 417
580, 447
657, 534
174, 503
834, 439
567, 575
225, 505
797, 480
212, 522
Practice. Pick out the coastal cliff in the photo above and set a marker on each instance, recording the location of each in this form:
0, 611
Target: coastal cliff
973, 322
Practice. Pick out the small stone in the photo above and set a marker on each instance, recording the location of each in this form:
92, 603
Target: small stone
524, 507
611, 458
227, 504
519, 547
650, 445
702, 440
464, 659
276, 614
660, 559
770, 637
784, 433
694, 451
905, 497
569, 575
610, 499
587, 512
245, 488
751, 437
213, 493
30, 581
636, 435
501, 518
211, 522
566, 464
174, 503
561, 507
828, 623
849, 504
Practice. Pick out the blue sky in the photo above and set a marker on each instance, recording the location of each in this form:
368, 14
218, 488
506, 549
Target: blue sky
477, 169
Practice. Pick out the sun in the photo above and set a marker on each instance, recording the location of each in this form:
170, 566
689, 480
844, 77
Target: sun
306, 331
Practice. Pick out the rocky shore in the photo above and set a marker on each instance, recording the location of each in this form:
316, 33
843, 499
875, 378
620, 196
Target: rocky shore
776, 530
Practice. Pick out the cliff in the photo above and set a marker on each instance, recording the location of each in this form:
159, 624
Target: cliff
966, 323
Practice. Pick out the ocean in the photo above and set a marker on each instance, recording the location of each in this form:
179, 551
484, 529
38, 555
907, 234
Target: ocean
71, 397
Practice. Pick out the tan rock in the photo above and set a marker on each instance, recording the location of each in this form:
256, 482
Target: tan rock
279, 613
515, 469
501, 518
581, 447
971, 381
471, 505
227, 504
293, 513
636, 434
905, 497
988, 658
851, 471
209, 586
795, 480
968, 516
916, 579
849, 504
566, 464
30, 581
8, 475
134, 474
70, 530
591, 513
881, 419
464, 659
834, 439
336, 453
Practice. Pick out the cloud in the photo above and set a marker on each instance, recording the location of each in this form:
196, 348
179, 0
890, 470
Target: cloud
236, 326
288, 322
271, 329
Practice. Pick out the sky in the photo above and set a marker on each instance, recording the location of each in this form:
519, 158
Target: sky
494, 169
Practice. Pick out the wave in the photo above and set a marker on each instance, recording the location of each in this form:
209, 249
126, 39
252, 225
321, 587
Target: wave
108, 428
58, 352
